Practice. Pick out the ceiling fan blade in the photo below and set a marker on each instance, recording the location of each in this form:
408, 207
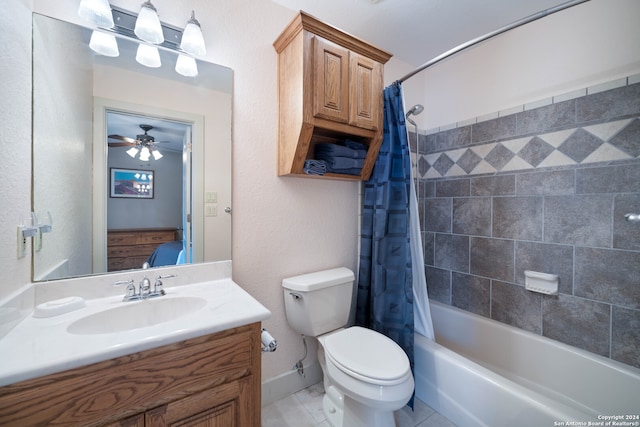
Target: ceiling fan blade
120, 144
122, 138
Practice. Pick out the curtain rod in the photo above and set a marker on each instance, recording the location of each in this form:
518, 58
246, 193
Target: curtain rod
494, 33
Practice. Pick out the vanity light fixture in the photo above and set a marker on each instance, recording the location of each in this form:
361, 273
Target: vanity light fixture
104, 44
192, 40
148, 56
186, 66
98, 12
148, 26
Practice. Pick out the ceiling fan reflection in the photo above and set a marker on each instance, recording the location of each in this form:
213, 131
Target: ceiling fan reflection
143, 144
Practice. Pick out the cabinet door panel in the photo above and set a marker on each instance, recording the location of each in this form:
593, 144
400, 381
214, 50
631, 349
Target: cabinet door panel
365, 92
135, 421
331, 75
227, 405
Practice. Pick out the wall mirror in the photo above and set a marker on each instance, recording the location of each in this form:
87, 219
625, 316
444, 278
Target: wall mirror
93, 114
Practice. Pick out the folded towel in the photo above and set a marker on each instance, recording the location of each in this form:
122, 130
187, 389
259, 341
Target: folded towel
334, 162
355, 145
314, 167
336, 150
350, 171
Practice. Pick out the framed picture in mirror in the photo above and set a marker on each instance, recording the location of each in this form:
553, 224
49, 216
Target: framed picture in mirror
131, 183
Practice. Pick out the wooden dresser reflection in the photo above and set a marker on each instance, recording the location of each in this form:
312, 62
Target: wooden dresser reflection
127, 249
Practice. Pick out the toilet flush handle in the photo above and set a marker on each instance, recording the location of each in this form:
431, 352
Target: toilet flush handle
295, 295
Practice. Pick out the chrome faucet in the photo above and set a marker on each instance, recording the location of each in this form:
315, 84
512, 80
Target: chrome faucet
144, 288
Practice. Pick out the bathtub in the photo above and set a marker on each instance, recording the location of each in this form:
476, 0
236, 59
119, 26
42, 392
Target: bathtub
481, 372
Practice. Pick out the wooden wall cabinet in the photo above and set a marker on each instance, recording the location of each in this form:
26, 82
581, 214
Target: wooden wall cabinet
212, 380
330, 88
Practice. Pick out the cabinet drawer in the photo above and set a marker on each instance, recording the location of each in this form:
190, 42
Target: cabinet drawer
156, 237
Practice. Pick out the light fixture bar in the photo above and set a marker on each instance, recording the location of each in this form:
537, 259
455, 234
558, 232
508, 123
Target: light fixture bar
125, 22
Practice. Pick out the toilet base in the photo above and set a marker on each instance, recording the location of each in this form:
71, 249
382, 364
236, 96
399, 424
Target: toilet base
332, 410
342, 411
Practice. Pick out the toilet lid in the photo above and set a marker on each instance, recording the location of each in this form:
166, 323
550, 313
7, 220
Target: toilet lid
367, 353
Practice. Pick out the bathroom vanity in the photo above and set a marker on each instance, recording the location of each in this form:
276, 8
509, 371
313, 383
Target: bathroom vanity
211, 380
190, 357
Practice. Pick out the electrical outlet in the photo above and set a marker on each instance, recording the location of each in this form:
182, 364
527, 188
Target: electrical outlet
22, 243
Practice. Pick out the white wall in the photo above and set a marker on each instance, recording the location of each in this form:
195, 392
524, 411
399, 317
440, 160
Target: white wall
592, 43
15, 139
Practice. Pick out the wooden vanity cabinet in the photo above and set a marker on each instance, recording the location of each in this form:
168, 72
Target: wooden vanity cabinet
212, 380
330, 88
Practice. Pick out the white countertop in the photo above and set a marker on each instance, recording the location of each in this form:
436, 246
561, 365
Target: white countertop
41, 346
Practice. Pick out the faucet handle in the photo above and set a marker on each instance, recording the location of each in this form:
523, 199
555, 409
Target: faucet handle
157, 286
131, 289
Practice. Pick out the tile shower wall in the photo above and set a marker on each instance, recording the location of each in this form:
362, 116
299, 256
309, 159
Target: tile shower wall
544, 189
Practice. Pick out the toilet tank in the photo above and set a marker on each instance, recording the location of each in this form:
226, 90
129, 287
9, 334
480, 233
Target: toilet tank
317, 303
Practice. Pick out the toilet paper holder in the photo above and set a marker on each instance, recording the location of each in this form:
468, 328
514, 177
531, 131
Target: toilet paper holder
269, 344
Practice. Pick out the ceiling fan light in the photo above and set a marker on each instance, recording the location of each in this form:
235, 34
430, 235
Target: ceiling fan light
186, 66
148, 26
104, 44
98, 12
192, 40
144, 154
132, 152
156, 155
148, 56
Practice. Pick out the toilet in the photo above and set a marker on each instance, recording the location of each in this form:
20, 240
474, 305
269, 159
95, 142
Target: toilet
367, 375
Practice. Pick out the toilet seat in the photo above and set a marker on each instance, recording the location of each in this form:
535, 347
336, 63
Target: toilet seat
367, 355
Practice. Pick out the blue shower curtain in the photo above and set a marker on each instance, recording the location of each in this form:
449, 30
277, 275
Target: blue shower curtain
385, 292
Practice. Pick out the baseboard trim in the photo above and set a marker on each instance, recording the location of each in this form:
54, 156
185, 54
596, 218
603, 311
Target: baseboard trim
288, 383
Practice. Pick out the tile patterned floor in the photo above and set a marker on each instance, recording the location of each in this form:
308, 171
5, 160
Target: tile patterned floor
304, 409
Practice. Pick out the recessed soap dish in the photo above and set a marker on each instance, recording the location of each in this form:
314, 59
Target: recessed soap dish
58, 307
543, 283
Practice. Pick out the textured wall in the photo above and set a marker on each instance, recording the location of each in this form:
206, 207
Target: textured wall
544, 189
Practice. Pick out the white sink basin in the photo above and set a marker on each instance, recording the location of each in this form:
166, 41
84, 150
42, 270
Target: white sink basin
136, 315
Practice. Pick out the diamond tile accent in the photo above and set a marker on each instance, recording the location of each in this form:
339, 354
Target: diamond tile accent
605, 131
606, 152
469, 160
423, 166
499, 156
535, 151
628, 139
443, 164
604, 142
580, 144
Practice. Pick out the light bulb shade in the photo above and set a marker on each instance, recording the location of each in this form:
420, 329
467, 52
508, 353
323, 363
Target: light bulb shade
104, 44
148, 26
148, 56
192, 41
132, 152
186, 66
144, 154
156, 155
98, 12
